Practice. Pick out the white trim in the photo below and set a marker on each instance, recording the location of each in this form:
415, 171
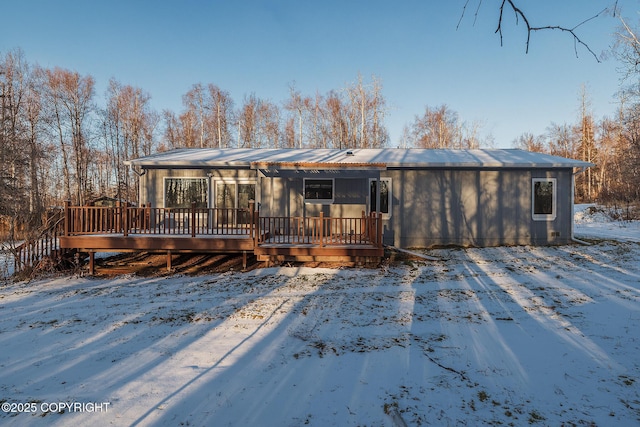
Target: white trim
385, 215
319, 201
554, 200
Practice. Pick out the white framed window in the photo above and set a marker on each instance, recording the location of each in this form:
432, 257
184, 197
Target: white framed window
385, 196
543, 199
181, 192
319, 190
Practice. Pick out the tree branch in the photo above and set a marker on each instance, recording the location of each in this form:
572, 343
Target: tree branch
464, 9
519, 14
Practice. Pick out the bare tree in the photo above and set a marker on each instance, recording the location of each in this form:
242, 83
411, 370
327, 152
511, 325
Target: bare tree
336, 117
289, 133
70, 101
609, 155
269, 124
220, 115
173, 134
587, 147
298, 105
562, 140
627, 51
365, 112
195, 103
247, 120
129, 126
13, 159
529, 142
205, 121
37, 148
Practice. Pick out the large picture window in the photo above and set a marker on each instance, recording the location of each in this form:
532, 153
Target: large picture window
544, 199
385, 196
181, 192
318, 190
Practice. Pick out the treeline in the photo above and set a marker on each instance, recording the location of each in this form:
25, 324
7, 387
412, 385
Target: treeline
59, 140
611, 143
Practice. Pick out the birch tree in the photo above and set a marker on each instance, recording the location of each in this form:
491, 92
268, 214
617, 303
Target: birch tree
13, 159
129, 126
69, 99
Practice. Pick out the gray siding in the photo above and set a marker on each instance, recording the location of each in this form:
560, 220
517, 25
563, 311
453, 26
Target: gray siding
474, 208
430, 207
284, 197
152, 182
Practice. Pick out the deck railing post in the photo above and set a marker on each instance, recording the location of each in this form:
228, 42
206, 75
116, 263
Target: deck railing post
67, 217
256, 220
252, 209
193, 219
147, 217
321, 229
125, 219
117, 217
379, 229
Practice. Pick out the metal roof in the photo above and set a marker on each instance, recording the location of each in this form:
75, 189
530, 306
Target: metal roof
391, 157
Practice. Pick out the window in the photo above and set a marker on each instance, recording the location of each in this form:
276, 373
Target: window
318, 190
385, 196
544, 199
181, 192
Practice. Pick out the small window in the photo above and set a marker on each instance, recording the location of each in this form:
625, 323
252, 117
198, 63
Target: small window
544, 199
318, 190
181, 192
385, 196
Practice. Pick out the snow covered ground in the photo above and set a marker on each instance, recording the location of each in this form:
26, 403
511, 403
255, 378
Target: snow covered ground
597, 224
494, 336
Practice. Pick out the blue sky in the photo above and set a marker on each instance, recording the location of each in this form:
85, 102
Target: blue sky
414, 47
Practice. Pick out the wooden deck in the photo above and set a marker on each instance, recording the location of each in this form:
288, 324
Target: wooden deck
130, 229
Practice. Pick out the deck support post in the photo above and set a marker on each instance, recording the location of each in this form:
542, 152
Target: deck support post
92, 263
244, 260
168, 260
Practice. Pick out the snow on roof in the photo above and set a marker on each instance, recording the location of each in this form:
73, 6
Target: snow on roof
391, 157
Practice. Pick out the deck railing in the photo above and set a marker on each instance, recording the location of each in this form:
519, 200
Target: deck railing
322, 231
42, 246
128, 220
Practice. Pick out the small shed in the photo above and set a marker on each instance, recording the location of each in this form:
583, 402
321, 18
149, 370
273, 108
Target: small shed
426, 198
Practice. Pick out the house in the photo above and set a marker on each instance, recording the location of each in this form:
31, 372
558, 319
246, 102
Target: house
312, 204
426, 197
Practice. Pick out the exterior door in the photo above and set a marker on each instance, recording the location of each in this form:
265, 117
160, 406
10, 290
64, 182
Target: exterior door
225, 202
231, 196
